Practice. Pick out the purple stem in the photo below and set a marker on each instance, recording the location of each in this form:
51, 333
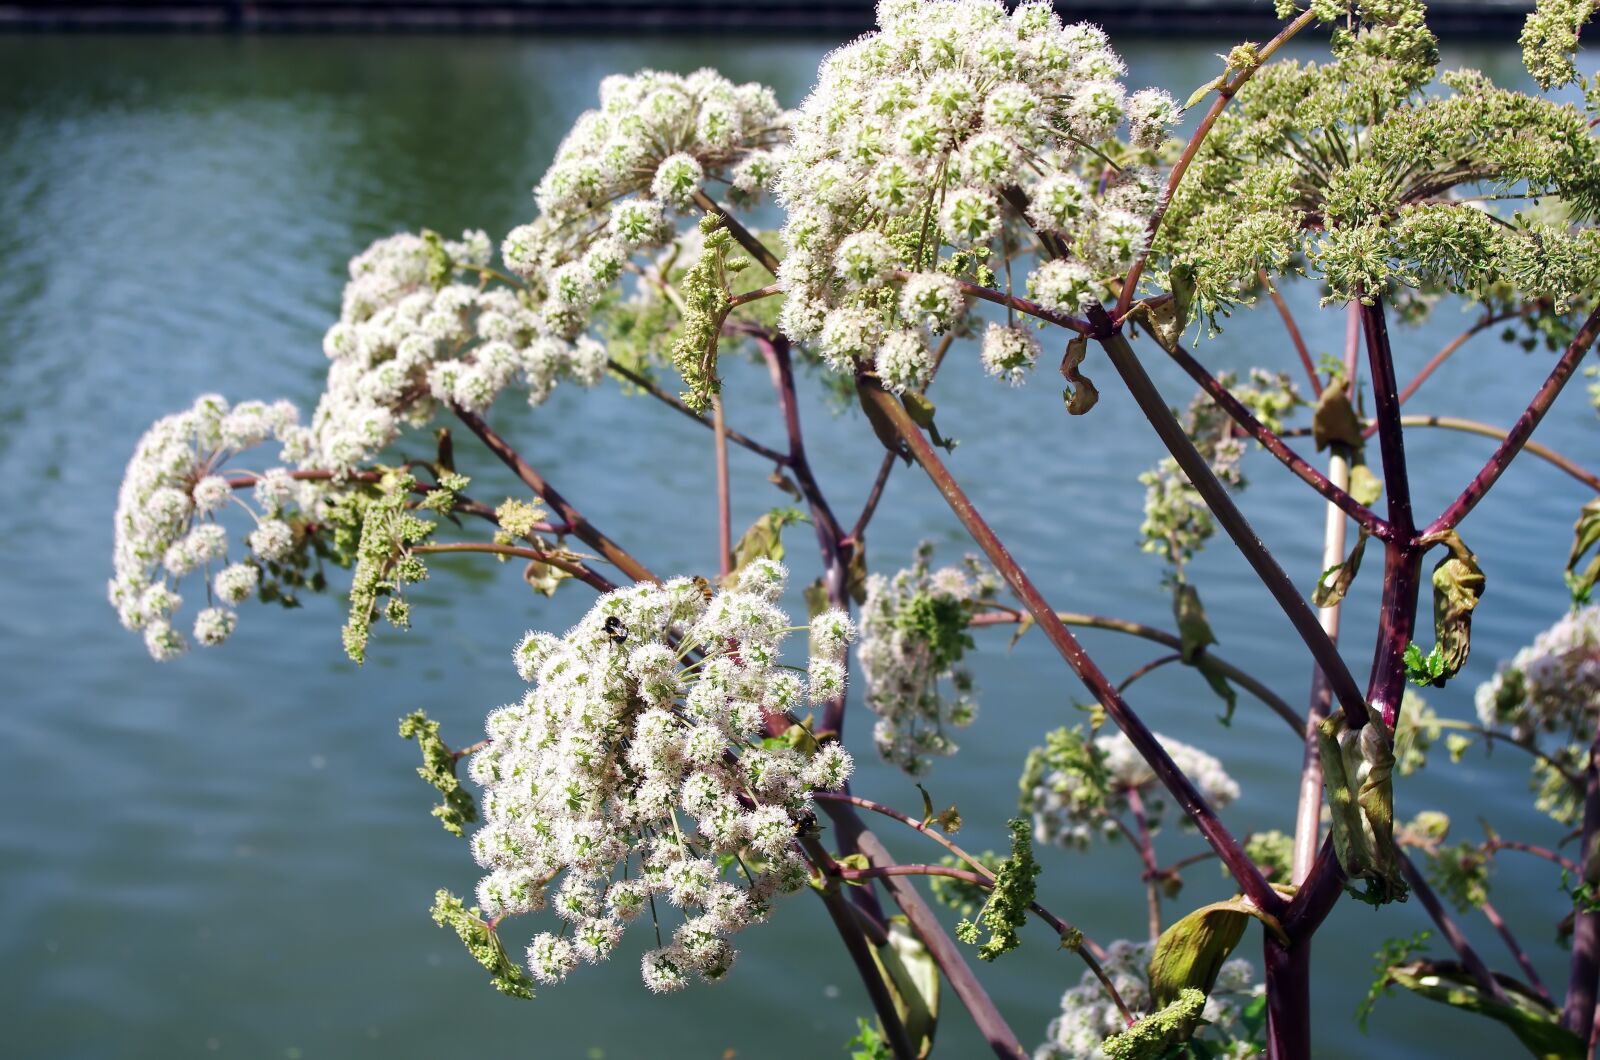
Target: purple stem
1521, 430
1577, 1015
1183, 790
1244, 537
1274, 444
1451, 931
1401, 556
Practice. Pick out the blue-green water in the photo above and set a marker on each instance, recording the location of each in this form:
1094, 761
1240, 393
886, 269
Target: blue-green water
232, 854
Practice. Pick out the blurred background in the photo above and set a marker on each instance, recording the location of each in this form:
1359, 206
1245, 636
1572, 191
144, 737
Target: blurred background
232, 855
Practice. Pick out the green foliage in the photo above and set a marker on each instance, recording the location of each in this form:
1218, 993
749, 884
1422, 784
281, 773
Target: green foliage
1393, 952
939, 621
1534, 1021
1426, 669
1417, 729
1083, 775
384, 530
706, 304
484, 945
1358, 775
1345, 170
1152, 1036
439, 769
1007, 907
963, 896
1460, 873
1335, 582
869, 1043
1191, 952
442, 498
764, 539
1550, 39
1585, 536
1273, 853
1458, 584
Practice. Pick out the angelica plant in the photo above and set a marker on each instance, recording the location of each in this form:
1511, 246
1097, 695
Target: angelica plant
970, 179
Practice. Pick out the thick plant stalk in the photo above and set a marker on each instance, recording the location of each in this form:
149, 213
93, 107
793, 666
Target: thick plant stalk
1287, 971
1401, 556
1227, 514
1183, 790
1577, 1015
1308, 814
855, 941
853, 834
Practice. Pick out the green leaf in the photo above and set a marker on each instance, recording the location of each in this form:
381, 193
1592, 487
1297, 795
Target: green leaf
883, 426
1194, 631
764, 539
439, 769
911, 975
1205, 90
947, 820
1191, 952
1458, 584
1365, 487
1358, 775
1585, 536
1335, 420
1335, 581
1163, 318
1080, 395
1535, 1023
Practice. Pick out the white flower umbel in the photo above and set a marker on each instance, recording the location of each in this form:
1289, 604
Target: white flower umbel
951, 141
1061, 815
655, 140
1088, 1015
1552, 685
913, 634
169, 510
632, 779
413, 334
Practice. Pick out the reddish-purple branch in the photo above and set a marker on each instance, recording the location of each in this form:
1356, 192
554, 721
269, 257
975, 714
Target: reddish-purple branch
1228, 516
1183, 790
1274, 444
1294, 332
584, 530
1577, 1015
1401, 556
1450, 930
1521, 430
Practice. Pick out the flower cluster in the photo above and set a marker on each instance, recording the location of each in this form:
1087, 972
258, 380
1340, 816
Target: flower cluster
1088, 1016
639, 769
624, 169
168, 518
1081, 786
913, 635
410, 338
1552, 685
1177, 522
1362, 174
956, 125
